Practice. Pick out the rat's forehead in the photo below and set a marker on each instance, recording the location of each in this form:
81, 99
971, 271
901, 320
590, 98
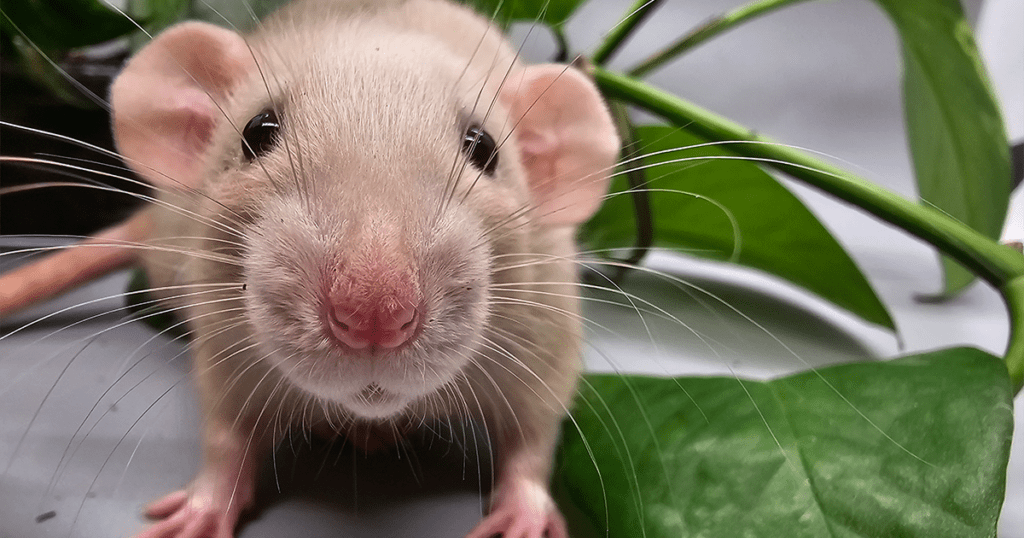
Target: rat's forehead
376, 81
339, 54
347, 70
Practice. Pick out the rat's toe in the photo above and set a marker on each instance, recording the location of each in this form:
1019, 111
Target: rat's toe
166, 505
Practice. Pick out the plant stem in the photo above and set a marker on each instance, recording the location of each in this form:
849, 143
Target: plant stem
562, 53
1000, 265
708, 30
1013, 294
636, 176
618, 35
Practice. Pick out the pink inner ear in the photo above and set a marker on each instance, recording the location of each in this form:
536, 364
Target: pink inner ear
196, 111
568, 142
535, 145
164, 102
179, 131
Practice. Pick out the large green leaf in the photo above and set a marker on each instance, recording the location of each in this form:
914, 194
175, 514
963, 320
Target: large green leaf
914, 447
957, 140
777, 233
553, 12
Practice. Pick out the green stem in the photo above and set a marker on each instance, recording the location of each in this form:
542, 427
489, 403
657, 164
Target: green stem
562, 53
636, 177
1001, 266
1013, 294
708, 30
618, 35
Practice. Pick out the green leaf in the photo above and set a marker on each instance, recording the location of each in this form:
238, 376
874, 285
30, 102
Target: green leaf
553, 12
56, 25
913, 447
777, 233
235, 14
157, 14
957, 139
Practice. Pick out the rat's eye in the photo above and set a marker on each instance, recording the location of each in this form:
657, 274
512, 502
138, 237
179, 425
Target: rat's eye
260, 134
481, 149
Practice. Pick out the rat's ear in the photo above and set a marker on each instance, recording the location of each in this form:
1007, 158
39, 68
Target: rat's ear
568, 141
165, 101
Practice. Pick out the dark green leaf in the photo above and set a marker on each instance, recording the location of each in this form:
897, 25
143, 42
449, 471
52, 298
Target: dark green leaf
914, 447
56, 25
553, 12
959, 146
158, 14
777, 233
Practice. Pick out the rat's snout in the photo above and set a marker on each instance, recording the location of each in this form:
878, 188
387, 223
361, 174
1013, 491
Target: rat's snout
374, 301
385, 325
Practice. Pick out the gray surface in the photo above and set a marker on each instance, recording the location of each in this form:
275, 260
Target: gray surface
822, 75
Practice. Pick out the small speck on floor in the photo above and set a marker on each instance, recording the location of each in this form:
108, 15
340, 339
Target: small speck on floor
46, 515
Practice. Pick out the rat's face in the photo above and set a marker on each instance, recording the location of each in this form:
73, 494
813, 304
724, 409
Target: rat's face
376, 184
379, 200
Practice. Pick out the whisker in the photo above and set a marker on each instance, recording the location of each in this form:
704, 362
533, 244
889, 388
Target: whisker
65, 455
490, 108
50, 184
113, 154
130, 245
90, 339
219, 286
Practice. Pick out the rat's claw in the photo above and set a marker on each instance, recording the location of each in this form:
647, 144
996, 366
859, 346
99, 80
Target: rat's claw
523, 510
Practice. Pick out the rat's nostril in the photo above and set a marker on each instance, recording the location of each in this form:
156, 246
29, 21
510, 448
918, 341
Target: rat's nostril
345, 324
396, 327
398, 318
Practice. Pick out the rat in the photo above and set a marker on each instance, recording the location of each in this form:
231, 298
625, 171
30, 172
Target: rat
365, 213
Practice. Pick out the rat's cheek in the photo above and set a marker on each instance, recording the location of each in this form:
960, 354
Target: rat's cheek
284, 273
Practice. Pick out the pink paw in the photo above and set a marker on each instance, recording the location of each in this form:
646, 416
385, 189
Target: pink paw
524, 510
185, 515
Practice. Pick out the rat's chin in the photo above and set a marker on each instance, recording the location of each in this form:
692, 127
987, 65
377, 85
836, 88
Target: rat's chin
370, 401
374, 402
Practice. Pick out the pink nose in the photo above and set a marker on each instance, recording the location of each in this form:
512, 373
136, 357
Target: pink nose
361, 327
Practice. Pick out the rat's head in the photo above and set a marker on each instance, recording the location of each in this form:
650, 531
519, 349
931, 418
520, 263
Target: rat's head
377, 186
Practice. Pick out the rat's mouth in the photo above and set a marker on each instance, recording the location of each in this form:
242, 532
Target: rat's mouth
374, 394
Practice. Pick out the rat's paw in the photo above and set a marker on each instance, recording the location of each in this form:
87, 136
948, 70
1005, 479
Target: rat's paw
190, 515
523, 510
